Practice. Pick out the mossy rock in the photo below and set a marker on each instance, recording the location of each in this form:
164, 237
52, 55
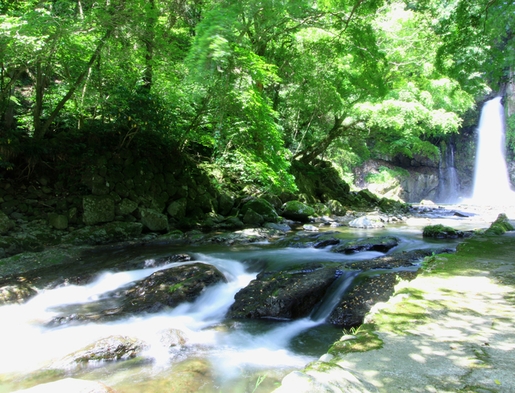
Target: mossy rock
296, 210
499, 226
440, 231
262, 207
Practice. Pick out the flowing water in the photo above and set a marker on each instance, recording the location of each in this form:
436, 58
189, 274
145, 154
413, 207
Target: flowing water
448, 187
211, 353
491, 181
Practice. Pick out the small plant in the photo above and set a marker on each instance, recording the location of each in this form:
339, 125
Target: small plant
260, 379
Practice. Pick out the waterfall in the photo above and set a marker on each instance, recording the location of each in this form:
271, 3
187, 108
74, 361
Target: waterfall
448, 187
491, 181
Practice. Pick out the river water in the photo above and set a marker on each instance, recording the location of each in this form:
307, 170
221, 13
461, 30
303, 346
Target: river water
210, 353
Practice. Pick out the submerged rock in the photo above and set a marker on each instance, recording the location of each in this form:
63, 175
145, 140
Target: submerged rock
69, 385
288, 294
106, 349
380, 244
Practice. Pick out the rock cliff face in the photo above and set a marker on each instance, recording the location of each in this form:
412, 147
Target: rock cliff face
407, 184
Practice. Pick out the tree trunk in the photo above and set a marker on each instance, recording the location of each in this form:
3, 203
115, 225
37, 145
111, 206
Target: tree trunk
43, 128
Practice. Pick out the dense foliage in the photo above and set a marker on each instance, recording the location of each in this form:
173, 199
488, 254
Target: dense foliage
249, 86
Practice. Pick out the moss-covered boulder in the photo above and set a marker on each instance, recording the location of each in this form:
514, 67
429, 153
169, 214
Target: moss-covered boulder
336, 207
252, 218
298, 211
500, 226
440, 231
287, 294
153, 220
177, 209
170, 287
262, 207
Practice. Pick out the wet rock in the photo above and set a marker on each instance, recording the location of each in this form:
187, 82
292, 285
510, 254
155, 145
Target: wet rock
69, 385
365, 293
280, 227
107, 349
367, 222
170, 287
287, 294
442, 232
409, 259
172, 338
189, 376
16, 293
380, 244
298, 211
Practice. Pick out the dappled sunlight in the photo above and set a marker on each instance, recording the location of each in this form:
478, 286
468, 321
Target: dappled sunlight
451, 334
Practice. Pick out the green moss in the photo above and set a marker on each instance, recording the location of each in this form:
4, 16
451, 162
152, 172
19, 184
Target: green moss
499, 226
362, 340
440, 231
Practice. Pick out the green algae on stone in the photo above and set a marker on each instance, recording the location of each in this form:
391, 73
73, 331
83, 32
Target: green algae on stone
363, 339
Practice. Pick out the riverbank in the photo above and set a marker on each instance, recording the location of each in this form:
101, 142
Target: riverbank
452, 329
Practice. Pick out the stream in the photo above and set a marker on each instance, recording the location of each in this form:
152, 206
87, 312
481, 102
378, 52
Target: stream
193, 347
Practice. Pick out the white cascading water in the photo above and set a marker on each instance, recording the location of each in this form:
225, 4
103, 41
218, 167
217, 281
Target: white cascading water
491, 180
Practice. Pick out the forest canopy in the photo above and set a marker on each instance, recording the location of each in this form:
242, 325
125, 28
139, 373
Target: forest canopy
250, 86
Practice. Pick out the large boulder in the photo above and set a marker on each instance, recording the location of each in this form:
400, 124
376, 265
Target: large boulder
153, 220
287, 294
298, 211
126, 206
177, 209
500, 226
262, 207
252, 218
97, 209
170, 287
